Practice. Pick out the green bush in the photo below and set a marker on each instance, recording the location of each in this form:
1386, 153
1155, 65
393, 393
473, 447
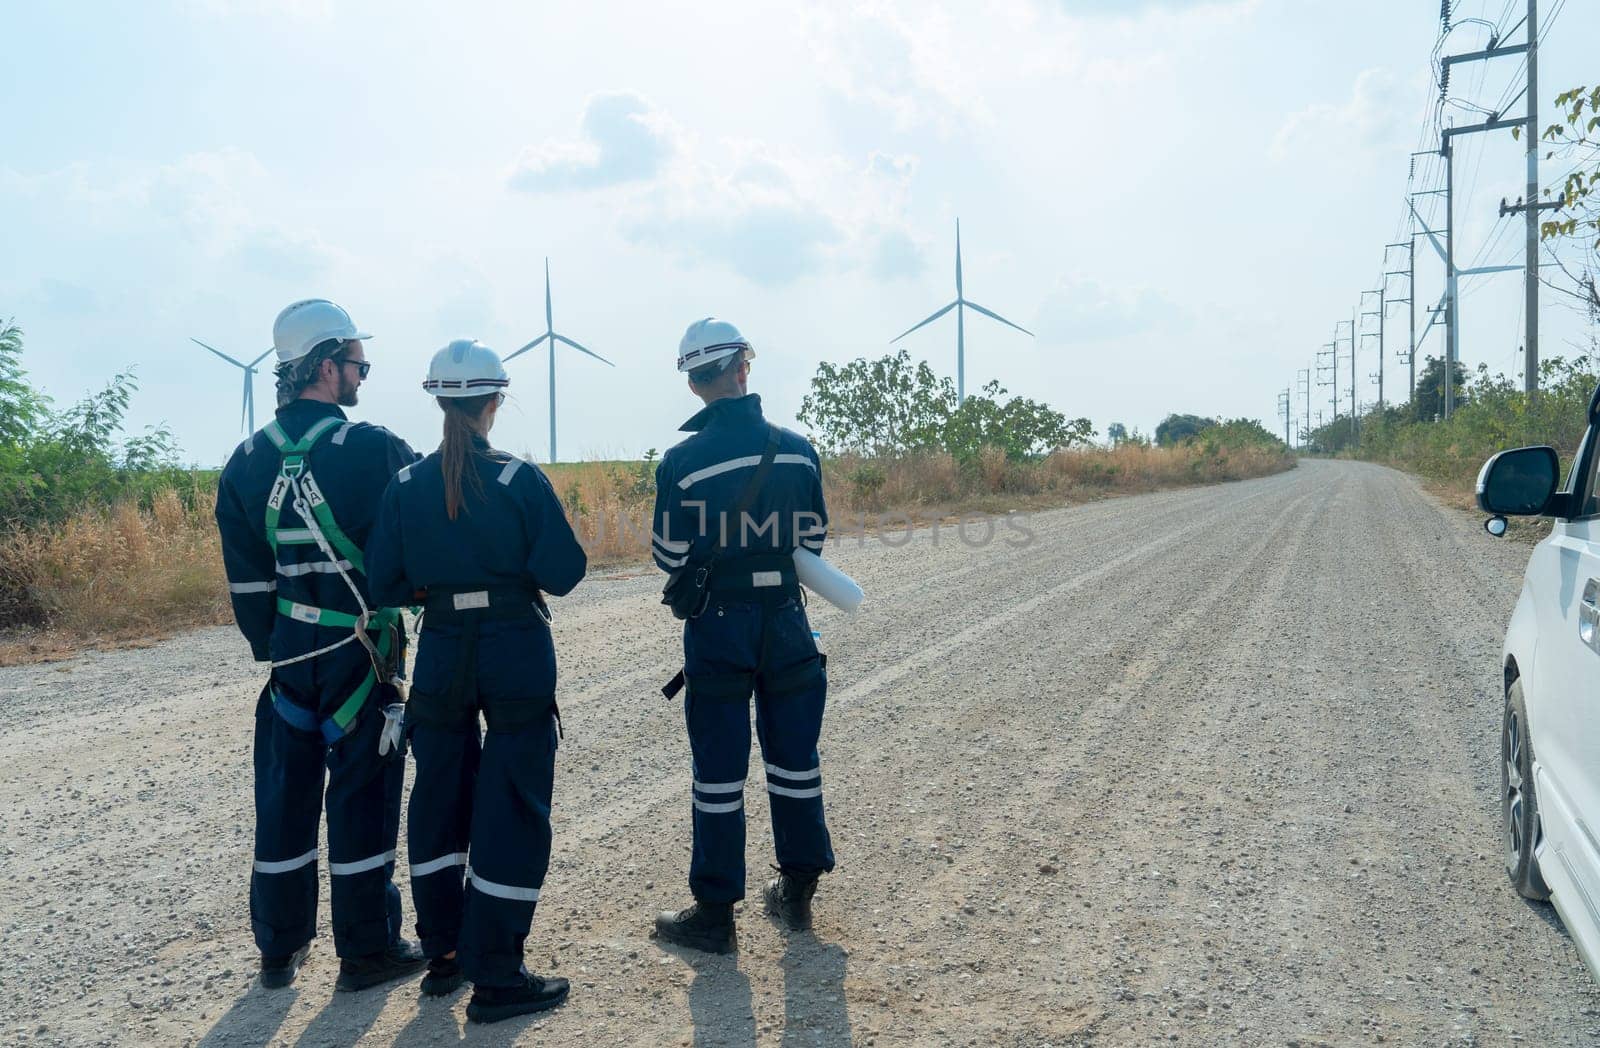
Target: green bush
891, 407
55, 462
1492, 413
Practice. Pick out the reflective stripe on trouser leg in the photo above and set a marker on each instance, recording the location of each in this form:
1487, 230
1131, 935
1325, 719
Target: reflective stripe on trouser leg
363, 827
438, 827
288, 802
510, 850
788, 726
719, 739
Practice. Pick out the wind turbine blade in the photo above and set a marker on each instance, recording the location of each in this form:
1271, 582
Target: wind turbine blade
581, 349
924, 323
262, 357
549, 316
959, 292
219, 353
524, 349
244, 402
996, 316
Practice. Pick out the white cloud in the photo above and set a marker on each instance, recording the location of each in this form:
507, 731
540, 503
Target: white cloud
624, 139
774, 217
768, 214
1374, 117
1080, 310
910, 62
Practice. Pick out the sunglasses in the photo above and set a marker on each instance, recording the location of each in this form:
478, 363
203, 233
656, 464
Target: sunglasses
362, 366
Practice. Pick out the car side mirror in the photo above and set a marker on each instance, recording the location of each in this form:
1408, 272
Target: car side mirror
1519, 483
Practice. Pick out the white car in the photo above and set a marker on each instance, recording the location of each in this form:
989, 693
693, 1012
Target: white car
1550, 732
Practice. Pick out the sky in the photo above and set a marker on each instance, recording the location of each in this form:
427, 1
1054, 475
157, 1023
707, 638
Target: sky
1179, 198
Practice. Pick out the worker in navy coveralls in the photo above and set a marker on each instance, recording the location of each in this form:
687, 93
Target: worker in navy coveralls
294, 506
750, 637
475, 535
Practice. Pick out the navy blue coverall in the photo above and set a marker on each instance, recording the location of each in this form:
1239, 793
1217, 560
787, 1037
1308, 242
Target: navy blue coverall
295, 736
480, 807
753, 636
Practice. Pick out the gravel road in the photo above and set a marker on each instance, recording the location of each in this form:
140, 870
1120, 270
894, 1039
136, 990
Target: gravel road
1213, 766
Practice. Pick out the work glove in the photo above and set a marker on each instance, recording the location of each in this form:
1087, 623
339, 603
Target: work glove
392, 737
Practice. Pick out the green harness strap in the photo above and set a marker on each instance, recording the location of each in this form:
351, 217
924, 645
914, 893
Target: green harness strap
383, 618
294, 468
294, 454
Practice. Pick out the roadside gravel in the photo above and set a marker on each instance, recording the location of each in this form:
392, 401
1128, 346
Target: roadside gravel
1211, 766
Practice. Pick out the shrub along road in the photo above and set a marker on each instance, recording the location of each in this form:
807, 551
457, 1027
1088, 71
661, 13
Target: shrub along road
1215, 765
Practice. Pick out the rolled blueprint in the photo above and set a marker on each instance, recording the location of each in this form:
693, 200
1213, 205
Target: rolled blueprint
827, 581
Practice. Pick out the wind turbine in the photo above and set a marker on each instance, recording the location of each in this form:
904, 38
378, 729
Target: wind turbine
550, 333
247, 413
961, 305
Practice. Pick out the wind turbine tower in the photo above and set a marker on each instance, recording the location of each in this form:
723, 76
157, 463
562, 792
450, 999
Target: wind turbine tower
961, 305
247, 412
551, 336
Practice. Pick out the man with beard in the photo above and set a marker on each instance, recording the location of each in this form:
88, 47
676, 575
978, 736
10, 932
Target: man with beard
294, 507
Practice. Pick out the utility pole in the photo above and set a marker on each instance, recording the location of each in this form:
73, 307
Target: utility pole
1330, 350
1355, 404
1450, 318
1283, 409
1302, 380
1410, 273
1382, 305
1529, 206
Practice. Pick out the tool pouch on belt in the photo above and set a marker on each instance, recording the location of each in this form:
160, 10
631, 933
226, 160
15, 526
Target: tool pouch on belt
688, 589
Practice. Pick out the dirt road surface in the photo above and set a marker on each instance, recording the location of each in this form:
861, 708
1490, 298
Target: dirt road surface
1214, 766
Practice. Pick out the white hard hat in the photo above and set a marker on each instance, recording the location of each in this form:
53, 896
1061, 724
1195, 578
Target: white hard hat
304, 325
465, 368
710, 340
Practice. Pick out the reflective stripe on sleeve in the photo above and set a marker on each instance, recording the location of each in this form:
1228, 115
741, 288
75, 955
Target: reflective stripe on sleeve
510, 471
742, 463
668, 545
252, 587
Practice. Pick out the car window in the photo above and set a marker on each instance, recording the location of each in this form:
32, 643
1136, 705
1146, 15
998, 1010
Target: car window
1583, 484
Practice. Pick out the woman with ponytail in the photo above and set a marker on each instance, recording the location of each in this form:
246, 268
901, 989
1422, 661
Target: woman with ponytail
477, 537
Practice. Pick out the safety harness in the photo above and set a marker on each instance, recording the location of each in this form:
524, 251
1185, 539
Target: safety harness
468, 608
296, 486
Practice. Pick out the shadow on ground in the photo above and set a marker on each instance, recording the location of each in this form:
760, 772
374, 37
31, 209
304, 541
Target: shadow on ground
253, 1019
814, 1008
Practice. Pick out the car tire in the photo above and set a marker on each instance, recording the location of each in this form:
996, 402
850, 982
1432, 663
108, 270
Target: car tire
1519, 807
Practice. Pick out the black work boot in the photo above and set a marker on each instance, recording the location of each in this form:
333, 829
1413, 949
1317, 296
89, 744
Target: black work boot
400, 959
788, 899
706, 926
444, 976
490, 1004
278, 972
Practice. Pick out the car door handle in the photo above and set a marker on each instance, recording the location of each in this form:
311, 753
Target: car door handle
1589, 613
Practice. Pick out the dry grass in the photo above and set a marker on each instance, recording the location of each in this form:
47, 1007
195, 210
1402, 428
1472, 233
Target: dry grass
611, 503
120, 576
108, 576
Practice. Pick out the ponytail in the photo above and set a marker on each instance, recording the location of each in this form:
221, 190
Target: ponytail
463, 420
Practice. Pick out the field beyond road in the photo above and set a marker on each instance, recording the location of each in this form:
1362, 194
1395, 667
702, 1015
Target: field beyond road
1214, 765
